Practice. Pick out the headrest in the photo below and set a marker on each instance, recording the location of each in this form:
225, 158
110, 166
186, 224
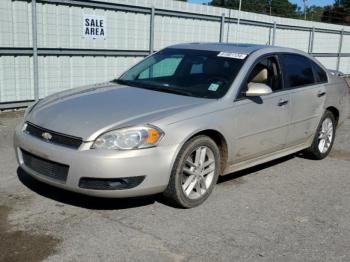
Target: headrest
261, 76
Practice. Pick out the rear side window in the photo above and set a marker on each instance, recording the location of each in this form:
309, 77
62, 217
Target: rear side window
297, 70
320, 74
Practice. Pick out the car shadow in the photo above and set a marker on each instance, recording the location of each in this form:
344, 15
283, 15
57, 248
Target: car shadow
79, 200
97, 203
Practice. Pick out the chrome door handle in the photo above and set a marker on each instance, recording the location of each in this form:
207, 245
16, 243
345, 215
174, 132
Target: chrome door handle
321, 93
282, 102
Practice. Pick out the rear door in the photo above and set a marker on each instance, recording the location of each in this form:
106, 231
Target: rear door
306, 82
262, 122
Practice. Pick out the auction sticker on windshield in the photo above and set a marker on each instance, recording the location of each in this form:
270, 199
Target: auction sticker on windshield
232, 55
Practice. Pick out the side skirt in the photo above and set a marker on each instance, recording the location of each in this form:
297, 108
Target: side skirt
266, 158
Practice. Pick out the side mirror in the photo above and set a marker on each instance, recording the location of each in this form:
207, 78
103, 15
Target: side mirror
258, 89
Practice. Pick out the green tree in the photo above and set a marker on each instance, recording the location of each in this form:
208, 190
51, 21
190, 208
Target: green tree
339, 13
336, 15
314, 13
342, 3
278, 7
284, 8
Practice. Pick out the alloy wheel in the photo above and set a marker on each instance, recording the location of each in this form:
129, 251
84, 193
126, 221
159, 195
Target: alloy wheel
325, 136
198, 172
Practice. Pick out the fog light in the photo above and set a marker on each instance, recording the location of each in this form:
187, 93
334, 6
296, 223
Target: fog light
110, 183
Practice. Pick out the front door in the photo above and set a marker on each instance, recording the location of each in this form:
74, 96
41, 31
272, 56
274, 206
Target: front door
262, 122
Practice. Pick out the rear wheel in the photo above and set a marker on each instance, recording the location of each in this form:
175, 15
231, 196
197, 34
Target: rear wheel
195, 172
324, 137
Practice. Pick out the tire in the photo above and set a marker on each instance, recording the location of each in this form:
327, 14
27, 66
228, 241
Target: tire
316, 151
192, 179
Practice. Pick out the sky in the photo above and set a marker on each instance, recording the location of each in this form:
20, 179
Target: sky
298, 2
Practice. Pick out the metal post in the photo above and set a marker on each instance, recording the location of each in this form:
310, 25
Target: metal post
340, 48
35, 52
239, 12
311, 40
151, 33
238, 20
222, 27
305, 8
228, 25
309, 43
274, 33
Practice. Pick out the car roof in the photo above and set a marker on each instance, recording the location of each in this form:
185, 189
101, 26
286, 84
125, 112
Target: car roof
241, 48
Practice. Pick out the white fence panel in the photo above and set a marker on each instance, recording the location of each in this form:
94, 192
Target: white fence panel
248, 34
344, 65
61, 73
16, 75
293, 39
326, 43
328, 62
62, 27
172, 30
16, 24
346, 45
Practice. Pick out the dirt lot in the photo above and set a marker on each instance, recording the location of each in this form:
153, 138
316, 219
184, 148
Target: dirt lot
292, 209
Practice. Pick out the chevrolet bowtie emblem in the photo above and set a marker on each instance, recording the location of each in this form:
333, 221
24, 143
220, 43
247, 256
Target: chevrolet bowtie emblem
46, 136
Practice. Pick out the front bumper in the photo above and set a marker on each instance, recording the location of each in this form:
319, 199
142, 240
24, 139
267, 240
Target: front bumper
153, 163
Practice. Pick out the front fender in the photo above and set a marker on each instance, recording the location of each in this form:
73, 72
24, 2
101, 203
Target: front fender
180, 132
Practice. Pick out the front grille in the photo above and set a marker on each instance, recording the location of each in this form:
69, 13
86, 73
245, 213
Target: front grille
45, 167
56, 138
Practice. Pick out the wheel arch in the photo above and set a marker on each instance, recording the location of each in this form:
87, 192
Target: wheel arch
219, 140
335, 113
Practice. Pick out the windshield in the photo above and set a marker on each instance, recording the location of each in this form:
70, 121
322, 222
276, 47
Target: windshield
206, 74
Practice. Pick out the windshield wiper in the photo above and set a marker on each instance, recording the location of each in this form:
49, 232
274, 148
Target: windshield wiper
170, 90
166, 89
124, 82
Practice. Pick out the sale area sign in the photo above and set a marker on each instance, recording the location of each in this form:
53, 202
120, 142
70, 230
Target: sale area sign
94, 27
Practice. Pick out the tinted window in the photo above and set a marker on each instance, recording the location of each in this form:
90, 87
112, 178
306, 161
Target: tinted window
196, 73
320, 74
197, 69
165, 67
297, 70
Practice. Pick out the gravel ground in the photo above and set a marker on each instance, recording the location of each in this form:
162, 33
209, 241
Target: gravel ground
293, 209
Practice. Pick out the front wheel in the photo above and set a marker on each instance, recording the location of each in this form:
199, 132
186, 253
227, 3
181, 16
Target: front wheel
324, 137
195, 172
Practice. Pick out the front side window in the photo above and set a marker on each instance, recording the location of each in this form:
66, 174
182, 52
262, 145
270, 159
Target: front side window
297, 70
198, 73
267, 72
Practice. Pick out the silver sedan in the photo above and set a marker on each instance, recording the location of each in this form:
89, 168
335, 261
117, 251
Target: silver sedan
180, 118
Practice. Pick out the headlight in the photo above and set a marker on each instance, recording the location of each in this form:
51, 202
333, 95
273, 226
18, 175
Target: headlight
129, 138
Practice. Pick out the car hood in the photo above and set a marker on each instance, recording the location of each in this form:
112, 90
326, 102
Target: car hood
87, 112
